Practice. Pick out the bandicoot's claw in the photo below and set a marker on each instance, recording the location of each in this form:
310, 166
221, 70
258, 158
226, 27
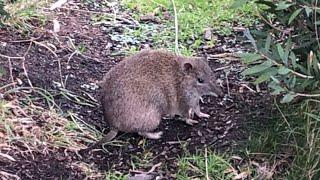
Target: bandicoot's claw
203, 115
191, 121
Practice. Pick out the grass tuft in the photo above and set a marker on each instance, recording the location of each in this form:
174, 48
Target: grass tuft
291, 142
26, 125
25, 15
201, 165
193, 18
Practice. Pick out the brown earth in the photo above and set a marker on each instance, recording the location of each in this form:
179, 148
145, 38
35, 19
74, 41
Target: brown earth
229, 125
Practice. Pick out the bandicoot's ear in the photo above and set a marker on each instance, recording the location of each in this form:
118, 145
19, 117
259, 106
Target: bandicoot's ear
187, 67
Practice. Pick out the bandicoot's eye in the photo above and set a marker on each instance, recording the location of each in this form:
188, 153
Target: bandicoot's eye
200, 80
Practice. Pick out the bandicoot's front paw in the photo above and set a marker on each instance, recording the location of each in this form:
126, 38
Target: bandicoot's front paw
203, 115
190, 113
191, 121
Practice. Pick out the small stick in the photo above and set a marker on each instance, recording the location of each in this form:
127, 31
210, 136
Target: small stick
24, 67
227, 73
246, 86
176, 28
206, 162
153, 168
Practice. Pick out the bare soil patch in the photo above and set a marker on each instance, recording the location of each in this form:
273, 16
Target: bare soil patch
229, 124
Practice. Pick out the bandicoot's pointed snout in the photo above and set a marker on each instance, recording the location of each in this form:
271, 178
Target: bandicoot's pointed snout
216, 91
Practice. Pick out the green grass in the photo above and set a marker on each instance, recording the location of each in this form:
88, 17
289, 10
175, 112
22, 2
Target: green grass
25, 15
291, 142
193, 18
201, 165
115, 176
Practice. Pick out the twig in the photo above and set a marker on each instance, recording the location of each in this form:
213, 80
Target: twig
284, 118
10, 57
7, 85
33, 40
10, 70
227, 73
9, 175
307, 95
24, 67
223, 55
246, 86
249, 36
24, 40
221, 68
292, 71
153, 168
43, 45
206, 162
176, 28
315, 23
266, 21
60, 73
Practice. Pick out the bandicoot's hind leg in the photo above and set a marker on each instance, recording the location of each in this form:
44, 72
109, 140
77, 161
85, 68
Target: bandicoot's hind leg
146, 121
151, 135
108, 137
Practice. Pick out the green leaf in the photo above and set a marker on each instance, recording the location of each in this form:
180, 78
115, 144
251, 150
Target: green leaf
265, 76
257, 68
308, 10
293, 82
275, 80
294, 15
239, 3
250, 57
293, 60
268, 43
287, 51
276, 87
282, 5
316, 117
2, 11
315, 63
288, 98
281, 52
283, 70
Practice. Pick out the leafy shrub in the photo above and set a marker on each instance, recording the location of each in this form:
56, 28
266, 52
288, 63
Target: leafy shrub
286, 47
3, 13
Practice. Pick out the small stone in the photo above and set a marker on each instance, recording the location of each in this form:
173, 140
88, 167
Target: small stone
19, 82
199, 133
109, 45
208, 34
4, 44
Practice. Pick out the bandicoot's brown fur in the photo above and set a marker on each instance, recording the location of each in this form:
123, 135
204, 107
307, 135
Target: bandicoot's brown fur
144, 87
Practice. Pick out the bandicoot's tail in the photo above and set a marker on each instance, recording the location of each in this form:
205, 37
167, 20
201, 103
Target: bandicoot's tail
108, 137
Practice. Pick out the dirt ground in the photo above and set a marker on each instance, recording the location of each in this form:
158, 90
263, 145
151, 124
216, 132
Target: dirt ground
231, 117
